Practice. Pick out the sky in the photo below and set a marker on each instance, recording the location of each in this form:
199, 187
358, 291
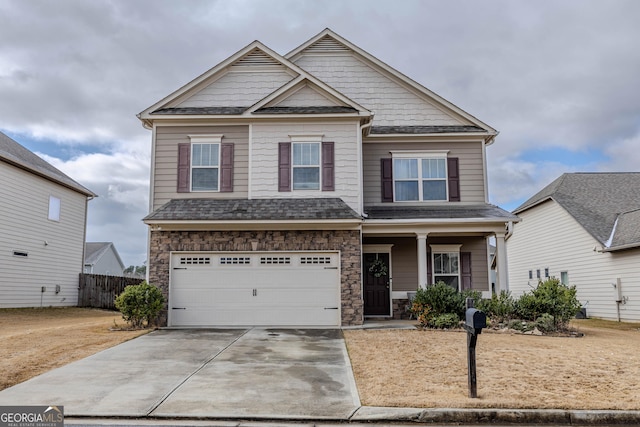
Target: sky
560, 80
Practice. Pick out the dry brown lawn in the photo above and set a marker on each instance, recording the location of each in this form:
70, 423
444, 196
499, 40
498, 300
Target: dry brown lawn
33, 341
428, 369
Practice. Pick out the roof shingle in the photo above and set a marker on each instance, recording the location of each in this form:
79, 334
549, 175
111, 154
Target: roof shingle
485, 211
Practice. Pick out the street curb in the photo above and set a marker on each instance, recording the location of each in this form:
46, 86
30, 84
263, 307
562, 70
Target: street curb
496, 416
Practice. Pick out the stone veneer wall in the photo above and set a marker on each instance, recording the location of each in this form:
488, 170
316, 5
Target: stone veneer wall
345, 241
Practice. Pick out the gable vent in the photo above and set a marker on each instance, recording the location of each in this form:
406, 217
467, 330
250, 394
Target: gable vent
255, 58
327, 44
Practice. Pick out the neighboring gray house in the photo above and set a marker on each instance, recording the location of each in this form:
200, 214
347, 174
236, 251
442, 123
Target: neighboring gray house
314, 189
102, 258
43, 216
584, 229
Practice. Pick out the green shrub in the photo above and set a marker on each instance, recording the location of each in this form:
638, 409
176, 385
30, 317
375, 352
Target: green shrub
440, 299
521, 326
140, 304
550, 297
500, 308
546, 323
445, 321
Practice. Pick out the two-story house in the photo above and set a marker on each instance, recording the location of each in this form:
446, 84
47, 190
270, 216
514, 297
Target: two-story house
43, 218
314, 189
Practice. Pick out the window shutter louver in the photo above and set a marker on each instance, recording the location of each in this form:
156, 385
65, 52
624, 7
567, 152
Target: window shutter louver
226, 168
454, 179
328, 166
387, 179
284, 166
184, 162
465, 270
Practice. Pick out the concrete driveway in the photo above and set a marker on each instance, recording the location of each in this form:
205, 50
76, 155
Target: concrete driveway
251, 373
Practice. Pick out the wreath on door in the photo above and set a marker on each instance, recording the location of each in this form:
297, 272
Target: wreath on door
378, 268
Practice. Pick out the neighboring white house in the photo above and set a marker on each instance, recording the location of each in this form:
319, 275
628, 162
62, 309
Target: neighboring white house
43, 216
584, 229
102, 258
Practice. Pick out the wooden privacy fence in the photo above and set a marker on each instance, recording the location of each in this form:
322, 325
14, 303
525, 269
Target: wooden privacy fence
99, 291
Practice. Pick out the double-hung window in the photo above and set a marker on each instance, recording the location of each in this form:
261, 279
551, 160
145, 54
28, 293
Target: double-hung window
446, 264
205, 166
420, 177
306, 165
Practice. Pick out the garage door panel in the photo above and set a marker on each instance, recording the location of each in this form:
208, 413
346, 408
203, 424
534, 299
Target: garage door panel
249, 289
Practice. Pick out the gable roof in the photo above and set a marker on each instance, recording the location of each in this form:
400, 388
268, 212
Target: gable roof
93, 251
329, 41
15, 154
605, 204
253, 55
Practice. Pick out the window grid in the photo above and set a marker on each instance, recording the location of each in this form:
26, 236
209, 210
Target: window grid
235, 260
315, 260
275, 260
420, 179
305, 165
195, 260
205, 166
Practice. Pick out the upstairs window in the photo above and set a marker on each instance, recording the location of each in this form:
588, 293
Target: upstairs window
420, 179
306, 165
205, 167
54, 208
417, 176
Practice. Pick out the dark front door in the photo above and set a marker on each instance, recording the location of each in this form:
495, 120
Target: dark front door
376, 285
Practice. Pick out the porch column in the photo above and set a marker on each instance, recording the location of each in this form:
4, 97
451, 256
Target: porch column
422, 260
502, 272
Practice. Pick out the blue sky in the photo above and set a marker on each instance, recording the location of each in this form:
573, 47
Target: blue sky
559, 80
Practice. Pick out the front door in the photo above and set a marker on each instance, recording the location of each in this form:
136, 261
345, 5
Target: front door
376, 284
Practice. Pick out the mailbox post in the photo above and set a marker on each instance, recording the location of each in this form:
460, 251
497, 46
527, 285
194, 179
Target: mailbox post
474, 322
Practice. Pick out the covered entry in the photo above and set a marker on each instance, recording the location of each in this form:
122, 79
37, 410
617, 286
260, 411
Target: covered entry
254, 289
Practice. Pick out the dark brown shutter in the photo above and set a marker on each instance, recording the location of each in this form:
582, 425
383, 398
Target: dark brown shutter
226, 168
454, 179
387, 179
284, 166
184, 163
328, 166
429, 270
465, 270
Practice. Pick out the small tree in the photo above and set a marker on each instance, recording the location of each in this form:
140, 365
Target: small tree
140, 304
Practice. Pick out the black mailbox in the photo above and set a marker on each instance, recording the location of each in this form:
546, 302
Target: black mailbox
476, 320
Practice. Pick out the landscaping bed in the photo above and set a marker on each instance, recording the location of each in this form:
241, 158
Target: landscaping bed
36, 340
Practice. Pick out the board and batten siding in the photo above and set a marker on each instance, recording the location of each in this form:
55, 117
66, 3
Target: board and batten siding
392, 103
55, 248
549, 237
165, 170
344, 135
469, 154
404, 259
238, 89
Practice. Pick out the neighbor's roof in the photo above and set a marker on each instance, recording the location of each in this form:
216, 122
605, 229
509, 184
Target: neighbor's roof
605, 204
253, 210
93, 251
15, 154
484, 211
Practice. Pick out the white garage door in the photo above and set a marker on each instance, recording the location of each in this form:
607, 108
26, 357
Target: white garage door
255, 289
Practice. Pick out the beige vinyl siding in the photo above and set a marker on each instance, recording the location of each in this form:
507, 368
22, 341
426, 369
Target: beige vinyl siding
549, 237
107, 264
265, 139
24, 226
306, 97
166, 158
472, 189
404, 259
238, 89
392, 103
